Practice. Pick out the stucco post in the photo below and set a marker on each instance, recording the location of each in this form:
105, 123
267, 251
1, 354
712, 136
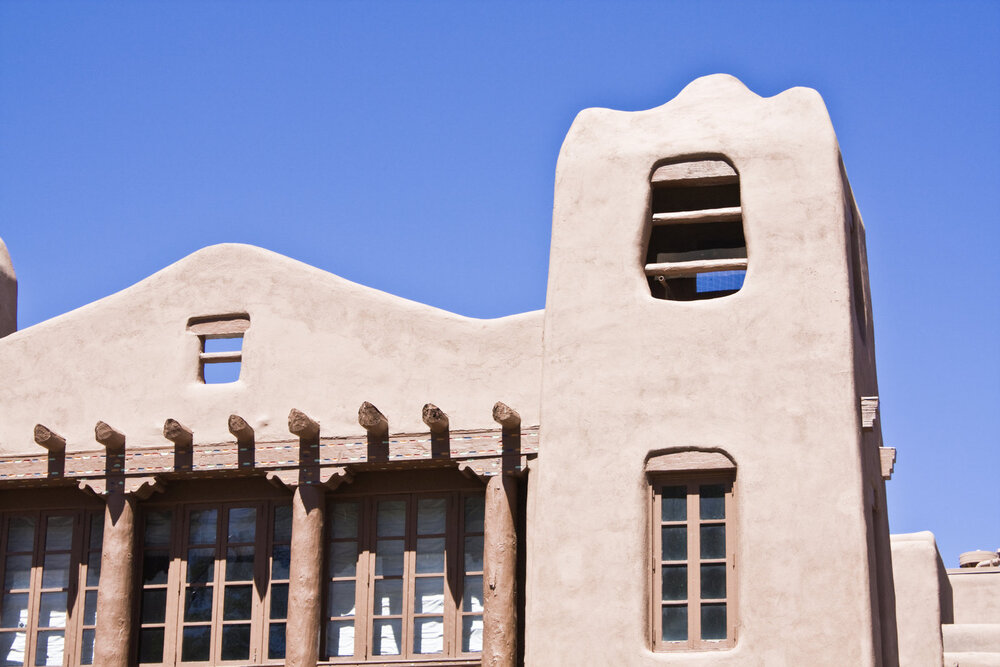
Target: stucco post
115, 596
500, 573
305, 586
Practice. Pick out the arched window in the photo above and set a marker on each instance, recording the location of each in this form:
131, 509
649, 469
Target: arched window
697, 249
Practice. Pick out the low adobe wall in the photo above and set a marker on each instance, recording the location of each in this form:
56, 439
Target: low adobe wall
923, 598
976, 594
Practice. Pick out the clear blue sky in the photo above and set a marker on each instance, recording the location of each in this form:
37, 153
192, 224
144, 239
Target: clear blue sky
411, 147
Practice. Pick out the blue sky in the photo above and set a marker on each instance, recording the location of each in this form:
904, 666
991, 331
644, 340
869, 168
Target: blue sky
412, 147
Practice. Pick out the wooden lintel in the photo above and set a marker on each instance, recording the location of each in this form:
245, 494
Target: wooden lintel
435, 418
506, 416
51, 441
301, 425
108, 436
372, 420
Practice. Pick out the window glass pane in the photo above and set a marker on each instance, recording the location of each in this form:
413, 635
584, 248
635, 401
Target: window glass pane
341, 601
339, 638
21, 533
55, 572
200, 566
239, 563
151, 645
674, 623
431, 514
389, 558
52, 610
157, 531
391, 518
283, 523
472, 634
59, 533
713, 502
242, 525
713, 541
674, 541
673, 504
430, 555
472, 593
428, 635
345, 519
198, 604
474, 513
281, 561
203, 528
279, 601
713, 621
17, 573
154, 605
196, 644
154, 567
96, 530
388, 597
386, 635
12, 648
473, 554
675, 582
235, 642
14, 613
90, 608
428, 595
276, 641
343, 558
94, 568
49, 648
713, 582
87, 648
237, 603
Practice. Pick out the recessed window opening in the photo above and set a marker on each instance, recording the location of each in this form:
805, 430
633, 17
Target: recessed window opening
697, 249
221, 355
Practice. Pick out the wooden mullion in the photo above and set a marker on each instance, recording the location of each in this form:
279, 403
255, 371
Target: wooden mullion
34, 584
694, 557
409, 576
363, 641
656, 596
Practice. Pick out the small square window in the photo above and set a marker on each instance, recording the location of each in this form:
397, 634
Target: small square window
221, 356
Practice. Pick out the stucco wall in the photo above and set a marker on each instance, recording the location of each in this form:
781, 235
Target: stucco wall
316, 342
766, 374
975, 595
920, 590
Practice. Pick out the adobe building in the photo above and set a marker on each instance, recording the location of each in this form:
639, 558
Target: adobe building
246, 460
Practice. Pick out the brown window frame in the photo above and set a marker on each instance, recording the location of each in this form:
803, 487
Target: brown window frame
226, 498
453, 613
73, 626
692, 483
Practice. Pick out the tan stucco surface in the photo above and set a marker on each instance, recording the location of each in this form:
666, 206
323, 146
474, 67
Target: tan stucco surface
921, 592
8, 293
767, 375
976, 595
316, 342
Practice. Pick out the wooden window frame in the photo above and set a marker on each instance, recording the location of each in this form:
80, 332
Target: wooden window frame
454, 579
74, 591
174, 624
692, 482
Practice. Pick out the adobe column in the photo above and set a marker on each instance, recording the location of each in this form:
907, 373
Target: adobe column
500, 551
305, 584
112, 640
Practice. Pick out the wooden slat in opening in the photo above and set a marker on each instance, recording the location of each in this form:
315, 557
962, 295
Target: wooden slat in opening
726, 214
220, 357
695, 172
688, 269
